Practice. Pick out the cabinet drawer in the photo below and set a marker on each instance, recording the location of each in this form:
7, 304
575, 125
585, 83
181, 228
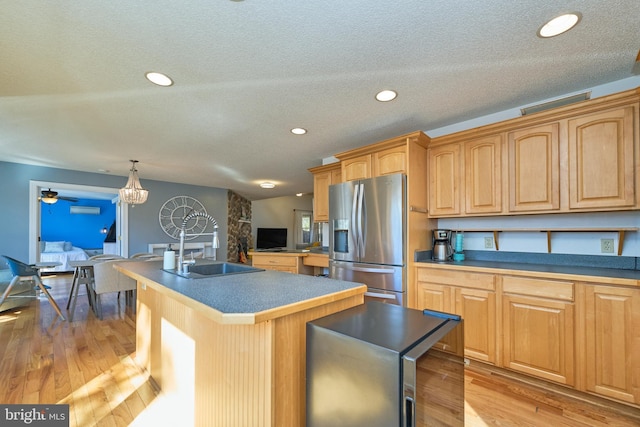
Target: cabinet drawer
285, 261
538, 287
456, 278
316, 260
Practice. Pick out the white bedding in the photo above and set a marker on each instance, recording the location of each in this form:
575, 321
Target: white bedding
75, 254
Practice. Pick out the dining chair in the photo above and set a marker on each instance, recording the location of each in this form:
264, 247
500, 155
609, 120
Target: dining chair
22, 272
107, 279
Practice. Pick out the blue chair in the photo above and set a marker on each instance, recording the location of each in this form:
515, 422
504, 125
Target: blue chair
22, 271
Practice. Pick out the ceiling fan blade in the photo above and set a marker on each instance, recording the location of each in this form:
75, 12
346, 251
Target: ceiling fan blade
636, 66
68, 199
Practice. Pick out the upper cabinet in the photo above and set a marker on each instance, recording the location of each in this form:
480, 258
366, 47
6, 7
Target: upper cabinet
357, 168
534, 168
578, 158
444, 180
383, 158
323, 177
601, 159
483, 175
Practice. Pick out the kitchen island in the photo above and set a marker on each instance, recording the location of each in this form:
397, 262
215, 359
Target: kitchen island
230, 350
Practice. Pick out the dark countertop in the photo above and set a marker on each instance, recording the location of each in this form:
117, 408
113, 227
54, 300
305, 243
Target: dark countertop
558, 264
244, 293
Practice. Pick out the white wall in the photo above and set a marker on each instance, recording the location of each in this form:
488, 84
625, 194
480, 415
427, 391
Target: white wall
278, 213
578, 243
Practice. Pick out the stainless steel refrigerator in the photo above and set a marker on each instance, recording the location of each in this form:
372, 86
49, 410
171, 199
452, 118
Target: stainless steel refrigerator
367, 228
374, 365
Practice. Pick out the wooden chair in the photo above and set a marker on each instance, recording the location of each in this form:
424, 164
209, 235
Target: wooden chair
22, 272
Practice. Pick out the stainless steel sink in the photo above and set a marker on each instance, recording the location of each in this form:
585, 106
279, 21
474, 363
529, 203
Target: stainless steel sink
199, 271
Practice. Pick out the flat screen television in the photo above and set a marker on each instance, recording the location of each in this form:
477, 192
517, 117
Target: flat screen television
271, 238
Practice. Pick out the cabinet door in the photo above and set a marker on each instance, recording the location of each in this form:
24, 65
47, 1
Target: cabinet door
612, 340
483, 180
538, 337
534, 169
439, 298
478, 311
356, 168
393, 160
601, 159
444, 180
321, 182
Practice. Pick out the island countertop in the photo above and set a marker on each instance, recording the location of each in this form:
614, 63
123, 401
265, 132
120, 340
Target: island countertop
245, 298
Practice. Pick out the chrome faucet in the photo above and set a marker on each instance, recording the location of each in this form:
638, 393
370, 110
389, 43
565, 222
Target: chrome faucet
215, 244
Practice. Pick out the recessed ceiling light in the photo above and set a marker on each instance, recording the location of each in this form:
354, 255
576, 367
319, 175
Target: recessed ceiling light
267, 185
298, 131
386, 95
159, 79
299, 194
559, 25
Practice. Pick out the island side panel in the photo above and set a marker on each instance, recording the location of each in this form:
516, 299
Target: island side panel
225, 374
211, 373
290, 360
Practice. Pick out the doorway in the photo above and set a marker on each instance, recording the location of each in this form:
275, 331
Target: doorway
35, 213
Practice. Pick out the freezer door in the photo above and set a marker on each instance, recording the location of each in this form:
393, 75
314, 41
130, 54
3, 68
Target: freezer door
383, 277
342, 219
382, 216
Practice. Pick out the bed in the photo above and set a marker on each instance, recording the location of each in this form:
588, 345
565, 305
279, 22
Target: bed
61, 252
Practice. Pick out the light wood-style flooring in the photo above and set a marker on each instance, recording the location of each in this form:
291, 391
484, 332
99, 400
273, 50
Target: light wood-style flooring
89, 364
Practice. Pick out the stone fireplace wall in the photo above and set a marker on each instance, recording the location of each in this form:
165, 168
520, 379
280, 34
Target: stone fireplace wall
239, 226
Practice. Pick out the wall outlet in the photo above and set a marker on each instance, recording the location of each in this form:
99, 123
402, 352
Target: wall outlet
606, 246
488, 242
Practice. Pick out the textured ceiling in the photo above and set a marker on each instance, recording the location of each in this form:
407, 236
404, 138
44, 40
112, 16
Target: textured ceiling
73, 93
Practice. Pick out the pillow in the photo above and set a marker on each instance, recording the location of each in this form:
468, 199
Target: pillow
54, 247
68, 246
42, 243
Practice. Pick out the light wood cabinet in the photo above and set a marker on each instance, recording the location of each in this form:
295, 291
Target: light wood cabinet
356, 168
281, 261
323, 177
538, 332
438, 290
610, 342
582, 333
578, 158
601, 159
390, 161
534, 168
445, 184
483, 175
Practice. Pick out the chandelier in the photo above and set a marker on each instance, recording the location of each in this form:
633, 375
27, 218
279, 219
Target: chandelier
133, 193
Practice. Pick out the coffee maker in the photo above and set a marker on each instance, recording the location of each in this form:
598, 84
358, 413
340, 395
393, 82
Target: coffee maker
442, 250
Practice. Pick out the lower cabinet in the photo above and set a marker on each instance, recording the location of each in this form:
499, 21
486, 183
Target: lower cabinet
288, 263
538, 331
476, 304
611, 339
579, 334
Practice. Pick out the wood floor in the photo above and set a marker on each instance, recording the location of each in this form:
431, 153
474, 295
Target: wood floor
88, 364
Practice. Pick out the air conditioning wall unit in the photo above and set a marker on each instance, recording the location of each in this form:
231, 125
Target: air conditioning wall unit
85, 210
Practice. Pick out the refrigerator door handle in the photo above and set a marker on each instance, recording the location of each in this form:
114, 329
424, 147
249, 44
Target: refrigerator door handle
371, 270
354, 220
360, 249
379, 295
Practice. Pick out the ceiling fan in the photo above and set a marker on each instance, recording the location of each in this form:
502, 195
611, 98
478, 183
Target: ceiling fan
50, 197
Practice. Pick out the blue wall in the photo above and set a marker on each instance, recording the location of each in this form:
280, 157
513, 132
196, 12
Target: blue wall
144, 227
82, 230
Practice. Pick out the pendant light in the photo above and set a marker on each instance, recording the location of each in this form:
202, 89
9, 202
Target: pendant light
133, 193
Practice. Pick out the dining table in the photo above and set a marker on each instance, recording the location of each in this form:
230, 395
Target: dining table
82, 275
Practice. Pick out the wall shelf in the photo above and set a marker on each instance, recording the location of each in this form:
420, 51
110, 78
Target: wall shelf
496, 232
